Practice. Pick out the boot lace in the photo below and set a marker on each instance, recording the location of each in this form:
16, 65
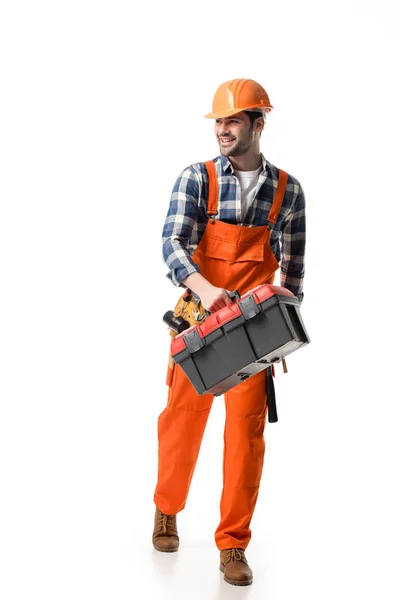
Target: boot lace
236, 554
166, 522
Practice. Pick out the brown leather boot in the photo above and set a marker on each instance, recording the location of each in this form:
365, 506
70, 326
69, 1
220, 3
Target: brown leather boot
234, 566
165, 534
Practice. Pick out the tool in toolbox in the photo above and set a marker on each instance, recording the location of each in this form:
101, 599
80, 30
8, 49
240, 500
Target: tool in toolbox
239, 340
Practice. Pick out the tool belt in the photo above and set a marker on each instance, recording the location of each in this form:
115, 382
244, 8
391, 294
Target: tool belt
190, 308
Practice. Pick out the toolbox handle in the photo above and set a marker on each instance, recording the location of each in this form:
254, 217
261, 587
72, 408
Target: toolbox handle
234, 295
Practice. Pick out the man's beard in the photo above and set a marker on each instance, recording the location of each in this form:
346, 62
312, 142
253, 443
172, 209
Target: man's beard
239, 149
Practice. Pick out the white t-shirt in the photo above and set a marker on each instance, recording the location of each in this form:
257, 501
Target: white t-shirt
248, 184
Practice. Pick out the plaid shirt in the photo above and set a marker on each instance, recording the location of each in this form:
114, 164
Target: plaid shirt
187, 219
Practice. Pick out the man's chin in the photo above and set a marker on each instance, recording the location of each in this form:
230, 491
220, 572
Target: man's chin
227, 151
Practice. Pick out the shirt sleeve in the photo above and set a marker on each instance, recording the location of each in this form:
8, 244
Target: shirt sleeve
293, 247
181, 218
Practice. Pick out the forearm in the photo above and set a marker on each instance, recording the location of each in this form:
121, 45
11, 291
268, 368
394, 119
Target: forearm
197, 283
179, 262
212, 298
293, 248
293, 281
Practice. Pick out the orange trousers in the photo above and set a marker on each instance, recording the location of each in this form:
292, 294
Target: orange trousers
181, 427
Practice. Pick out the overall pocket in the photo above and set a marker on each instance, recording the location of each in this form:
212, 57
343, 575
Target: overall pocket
235, 252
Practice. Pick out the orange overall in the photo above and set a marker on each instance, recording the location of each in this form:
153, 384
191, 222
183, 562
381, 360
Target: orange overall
233, 257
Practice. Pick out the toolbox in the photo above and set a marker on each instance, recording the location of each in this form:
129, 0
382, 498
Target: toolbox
257, 330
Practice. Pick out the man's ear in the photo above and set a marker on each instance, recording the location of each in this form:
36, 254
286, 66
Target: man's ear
260, 124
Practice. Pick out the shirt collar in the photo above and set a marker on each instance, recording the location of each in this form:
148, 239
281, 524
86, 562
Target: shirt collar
227, 165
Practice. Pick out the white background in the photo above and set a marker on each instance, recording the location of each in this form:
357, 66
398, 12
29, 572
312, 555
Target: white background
102, 106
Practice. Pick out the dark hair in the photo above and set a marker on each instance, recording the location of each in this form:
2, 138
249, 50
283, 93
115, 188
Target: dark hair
253, 115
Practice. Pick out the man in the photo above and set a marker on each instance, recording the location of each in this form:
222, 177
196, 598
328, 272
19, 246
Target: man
232, 222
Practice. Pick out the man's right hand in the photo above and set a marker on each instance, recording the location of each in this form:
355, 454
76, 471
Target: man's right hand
212, 298
215, 298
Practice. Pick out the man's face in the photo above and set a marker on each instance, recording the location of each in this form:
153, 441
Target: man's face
234, 134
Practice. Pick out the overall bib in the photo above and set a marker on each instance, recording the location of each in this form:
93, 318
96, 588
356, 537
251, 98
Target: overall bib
233, 257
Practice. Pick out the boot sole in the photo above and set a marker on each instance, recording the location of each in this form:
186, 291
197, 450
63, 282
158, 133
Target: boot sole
165, 549
234, 581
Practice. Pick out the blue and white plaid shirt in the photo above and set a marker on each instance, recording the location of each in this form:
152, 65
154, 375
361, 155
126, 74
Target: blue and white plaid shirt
187, 219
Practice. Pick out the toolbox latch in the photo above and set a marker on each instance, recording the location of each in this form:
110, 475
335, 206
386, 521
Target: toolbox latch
193, 341
243, 376
249, 307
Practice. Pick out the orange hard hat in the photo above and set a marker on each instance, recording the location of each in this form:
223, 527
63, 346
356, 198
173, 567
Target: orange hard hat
236, 95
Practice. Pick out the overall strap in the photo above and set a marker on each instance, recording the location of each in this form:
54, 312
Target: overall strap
212, 208
278, 199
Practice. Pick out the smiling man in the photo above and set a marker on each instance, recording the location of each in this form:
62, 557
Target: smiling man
232, 222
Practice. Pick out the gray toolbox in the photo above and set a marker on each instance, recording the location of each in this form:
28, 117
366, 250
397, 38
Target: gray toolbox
232, 344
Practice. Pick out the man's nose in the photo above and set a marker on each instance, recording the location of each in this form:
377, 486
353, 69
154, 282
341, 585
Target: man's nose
224, 127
